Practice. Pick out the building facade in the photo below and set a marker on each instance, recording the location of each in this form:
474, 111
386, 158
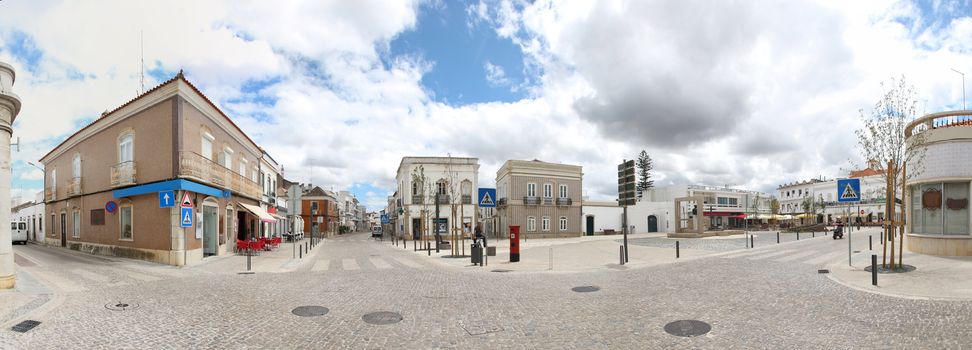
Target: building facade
937, 197
319, 211
449, 182
32, 213
544, 199
104, 184
721, 208
825, 206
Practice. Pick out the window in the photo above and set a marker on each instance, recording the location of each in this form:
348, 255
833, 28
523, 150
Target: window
76, 165
415, 188
563, 223
53, 224
531, 224
545, 223
207, 145
441, 187
547, 191
243, 167
97, 217
563, 191
125, 216
76, 220
63, 224
125, 146
54, 182
228, 158
531, 190
314, 206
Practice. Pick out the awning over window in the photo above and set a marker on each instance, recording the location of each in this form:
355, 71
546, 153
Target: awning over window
259, 212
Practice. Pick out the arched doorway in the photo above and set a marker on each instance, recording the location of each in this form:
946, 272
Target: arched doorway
652, 223
590, 225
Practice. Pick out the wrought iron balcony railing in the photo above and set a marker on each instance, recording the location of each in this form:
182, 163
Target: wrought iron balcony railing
418, 199
547, 201
123, 174
528, 200
466, 199
565, 201
74, 187
444, 199
194, 165
50, 193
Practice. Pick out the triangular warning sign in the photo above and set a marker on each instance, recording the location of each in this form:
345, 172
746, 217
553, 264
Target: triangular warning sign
487, 200
848, 193
187, 218
186, 200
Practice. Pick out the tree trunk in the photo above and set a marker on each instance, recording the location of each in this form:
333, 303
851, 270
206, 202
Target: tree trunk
904, 203
884, 225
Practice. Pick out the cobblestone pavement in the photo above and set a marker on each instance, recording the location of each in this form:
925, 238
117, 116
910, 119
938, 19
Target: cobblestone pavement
749, 304
724, 243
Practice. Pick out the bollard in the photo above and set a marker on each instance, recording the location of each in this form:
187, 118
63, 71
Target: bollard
248, 255
870, 244
813, 234
873, 269
798, 235
306, 246
550, 254
777, 237
676, 250
621, 255
428, 247
752, 241
301, 252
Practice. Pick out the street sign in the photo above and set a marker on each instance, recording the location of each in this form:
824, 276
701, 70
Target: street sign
627, 195
186, 217
186, 200
293, 200
111, 206
487, 198
384, 219
849, 190
166, 199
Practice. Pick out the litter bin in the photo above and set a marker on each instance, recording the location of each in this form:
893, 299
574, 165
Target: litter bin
477, 254
490, 251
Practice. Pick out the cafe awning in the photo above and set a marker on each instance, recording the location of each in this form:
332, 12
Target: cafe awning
259, 212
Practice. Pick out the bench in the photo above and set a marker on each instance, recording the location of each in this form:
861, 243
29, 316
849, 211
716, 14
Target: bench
610, 232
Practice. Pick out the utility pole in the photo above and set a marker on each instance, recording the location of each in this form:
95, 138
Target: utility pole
963, 86
626, 195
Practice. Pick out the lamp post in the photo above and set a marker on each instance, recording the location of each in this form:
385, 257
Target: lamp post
9, 108
963, 86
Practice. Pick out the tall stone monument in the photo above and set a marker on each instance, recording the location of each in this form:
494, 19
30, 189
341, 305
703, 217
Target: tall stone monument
9, 108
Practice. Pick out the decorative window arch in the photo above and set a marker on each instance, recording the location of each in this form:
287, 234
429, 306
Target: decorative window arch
466, 188
442, 186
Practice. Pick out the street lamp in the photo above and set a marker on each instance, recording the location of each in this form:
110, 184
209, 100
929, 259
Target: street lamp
963, 86
36, 166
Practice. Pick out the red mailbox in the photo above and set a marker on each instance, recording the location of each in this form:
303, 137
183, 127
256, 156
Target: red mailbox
514, 243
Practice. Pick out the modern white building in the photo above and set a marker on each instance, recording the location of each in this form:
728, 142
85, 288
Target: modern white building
453, 179
869, 210
31, 212
600, 217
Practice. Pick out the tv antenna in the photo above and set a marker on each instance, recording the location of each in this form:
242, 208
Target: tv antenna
141, 38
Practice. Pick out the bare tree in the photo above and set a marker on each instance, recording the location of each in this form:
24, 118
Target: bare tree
882, 139
808, 206
424, 188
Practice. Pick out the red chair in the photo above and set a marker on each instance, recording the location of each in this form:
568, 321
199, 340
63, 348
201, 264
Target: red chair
276, 241
258, 245
241, 246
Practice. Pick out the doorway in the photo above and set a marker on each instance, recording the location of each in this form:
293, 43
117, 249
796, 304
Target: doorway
590, 225
63, 230
416, 229
210, 229
652, 223
241, 225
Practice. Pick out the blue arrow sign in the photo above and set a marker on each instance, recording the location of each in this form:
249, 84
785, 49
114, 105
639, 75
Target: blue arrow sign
186, 217
487, 198
849, 190
166, 199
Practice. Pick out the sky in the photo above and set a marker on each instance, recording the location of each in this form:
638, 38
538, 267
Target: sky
748, 94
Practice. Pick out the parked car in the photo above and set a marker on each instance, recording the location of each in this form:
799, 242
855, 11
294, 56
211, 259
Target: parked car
18, 230
376, 232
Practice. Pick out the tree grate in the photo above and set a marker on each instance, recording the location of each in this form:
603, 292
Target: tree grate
25, 326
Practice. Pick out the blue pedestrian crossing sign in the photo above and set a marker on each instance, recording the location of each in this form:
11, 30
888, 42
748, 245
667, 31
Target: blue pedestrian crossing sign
186, 217
849, 190
487, 198
166, 199
384, 219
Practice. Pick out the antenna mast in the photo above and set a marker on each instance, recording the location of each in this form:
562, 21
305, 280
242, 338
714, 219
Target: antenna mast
141, 35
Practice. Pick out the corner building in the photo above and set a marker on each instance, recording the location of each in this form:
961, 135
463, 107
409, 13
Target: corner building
103, 184
544, 199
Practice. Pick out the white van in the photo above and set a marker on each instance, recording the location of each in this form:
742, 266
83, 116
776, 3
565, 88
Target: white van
18, 230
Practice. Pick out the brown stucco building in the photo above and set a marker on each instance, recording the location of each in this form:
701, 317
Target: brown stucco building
104, 185
319, 212
544, 199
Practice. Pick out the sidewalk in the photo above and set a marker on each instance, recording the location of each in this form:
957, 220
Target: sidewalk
937, 278
568, 254
284, 258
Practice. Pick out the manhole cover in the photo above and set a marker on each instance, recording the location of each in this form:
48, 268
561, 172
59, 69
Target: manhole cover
501, 270
119, 306
25, 326
902, 269
310, 311
687, 328
382, 317
586, 289
823, 271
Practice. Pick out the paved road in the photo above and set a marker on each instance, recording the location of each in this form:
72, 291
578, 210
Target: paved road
770, 297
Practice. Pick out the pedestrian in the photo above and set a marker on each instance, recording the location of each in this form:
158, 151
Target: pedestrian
479, 234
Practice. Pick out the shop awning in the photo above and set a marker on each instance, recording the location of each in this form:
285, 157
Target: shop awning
716, 213
765, 216
259, 212
806, 216
740, 216
278, 217
784, 217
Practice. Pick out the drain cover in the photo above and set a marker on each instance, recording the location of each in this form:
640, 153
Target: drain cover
501, 270
382, 317
310, 311
687, 328
904, 268
586, 289
25, 326
121, 306
823, 271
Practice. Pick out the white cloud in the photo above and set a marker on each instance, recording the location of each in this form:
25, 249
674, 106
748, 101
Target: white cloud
495, 75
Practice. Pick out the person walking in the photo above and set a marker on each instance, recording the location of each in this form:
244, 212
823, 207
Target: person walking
479, 234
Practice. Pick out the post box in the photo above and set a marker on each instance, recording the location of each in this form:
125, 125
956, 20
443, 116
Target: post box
514, 243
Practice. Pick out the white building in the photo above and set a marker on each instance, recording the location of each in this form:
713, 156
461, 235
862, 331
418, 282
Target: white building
31, 212
454, 179
869, 210
269, 173
601, 217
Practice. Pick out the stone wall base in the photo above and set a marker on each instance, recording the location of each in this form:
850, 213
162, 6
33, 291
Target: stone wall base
939, 245
168, 257
8, 282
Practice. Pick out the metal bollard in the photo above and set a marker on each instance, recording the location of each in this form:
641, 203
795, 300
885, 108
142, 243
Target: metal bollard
676, 250
301, 252
798, 235
752, 241
248, 255
870, 244
873, 269
621, 254
777, 237
428, 247
813, 234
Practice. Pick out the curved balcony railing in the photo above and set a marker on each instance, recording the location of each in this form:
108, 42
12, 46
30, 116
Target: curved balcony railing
194, 165
123, 174
939, 120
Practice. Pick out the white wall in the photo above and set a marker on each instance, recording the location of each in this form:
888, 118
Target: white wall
663, 211
605, 217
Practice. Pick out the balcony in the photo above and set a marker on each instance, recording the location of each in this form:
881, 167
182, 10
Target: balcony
444, 199
501, 202
74, 187
123, 174
50, 193
565, 201
195, 166
466, 199
547, 201
418, 199
531, 200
